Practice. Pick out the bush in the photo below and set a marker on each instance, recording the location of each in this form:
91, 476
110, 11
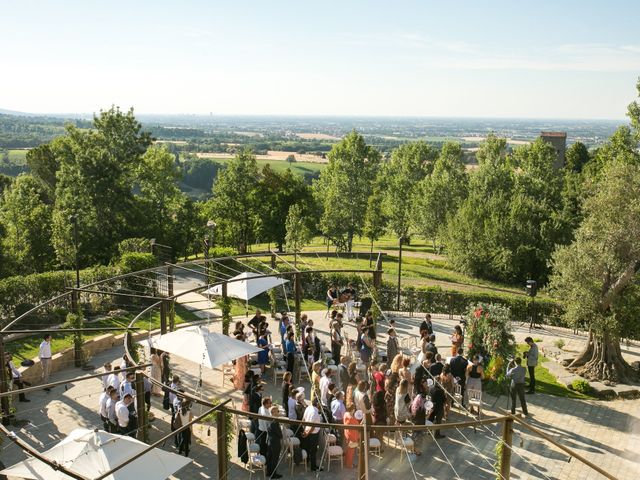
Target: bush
582, 386
559, 343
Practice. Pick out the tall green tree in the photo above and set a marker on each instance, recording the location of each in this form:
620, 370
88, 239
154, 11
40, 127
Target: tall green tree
477, 235
375, 221
597, 276
410, 163
25, 215
298, 233
440, 194
277, 192
44, 164
535, 219
95, 182
344, 187
157, 177
234, 202
576, 157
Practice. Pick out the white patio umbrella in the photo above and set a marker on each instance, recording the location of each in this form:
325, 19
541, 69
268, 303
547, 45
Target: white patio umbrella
246, 287
92, 453
199, 345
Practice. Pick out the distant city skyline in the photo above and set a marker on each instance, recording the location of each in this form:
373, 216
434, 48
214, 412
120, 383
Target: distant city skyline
538, 60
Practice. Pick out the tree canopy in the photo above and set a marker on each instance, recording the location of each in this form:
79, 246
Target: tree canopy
344, 187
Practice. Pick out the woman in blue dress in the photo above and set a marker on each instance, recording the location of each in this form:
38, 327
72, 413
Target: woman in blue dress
263, 356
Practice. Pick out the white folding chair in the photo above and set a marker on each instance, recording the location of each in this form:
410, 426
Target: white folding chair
474, 398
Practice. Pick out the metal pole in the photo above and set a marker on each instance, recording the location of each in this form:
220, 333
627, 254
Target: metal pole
142, 411
75, 245
221, 427
298, 296
399, 274
505, 460
4, 401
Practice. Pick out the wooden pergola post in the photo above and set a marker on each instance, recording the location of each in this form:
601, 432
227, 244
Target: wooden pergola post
163, 318
505, 460
4, 401
273, 261
221, 427
141, 407
363, 473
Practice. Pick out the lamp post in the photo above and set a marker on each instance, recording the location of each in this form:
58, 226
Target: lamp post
208, 243
74, 220
399, 272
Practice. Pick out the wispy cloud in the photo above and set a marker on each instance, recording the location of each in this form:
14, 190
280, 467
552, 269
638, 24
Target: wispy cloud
453, 54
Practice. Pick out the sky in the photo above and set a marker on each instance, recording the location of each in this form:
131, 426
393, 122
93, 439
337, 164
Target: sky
523, 59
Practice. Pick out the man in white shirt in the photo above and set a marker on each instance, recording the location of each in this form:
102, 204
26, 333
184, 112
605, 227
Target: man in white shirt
127, 385
176, 385
45, 359
16, 377
325, 380
111, 410
310, 433
263, 425
105, 377
102, 407
124, 415
291, 404
338, 408
113, 379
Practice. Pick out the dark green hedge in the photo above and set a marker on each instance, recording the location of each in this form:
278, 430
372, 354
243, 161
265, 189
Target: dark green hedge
20, 293
434, 299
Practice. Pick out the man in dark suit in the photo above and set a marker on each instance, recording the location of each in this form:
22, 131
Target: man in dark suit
459, 369
274, 445
422, 373
426, 325
438, 398
431, 346
437, 366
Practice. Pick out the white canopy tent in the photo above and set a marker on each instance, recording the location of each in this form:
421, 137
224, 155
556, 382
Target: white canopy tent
245, 287
199, 345
92, 453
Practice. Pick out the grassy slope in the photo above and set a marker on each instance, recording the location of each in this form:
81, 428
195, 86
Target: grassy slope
421, 266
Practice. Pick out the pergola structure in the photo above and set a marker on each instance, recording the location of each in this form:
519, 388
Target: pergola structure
159, 296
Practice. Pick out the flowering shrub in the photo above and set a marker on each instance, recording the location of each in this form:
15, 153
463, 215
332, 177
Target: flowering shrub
489, 334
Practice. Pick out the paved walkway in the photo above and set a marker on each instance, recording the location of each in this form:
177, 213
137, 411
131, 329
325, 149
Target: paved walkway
607, 433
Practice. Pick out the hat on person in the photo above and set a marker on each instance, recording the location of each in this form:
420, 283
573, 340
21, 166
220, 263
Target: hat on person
358, 415
300, 389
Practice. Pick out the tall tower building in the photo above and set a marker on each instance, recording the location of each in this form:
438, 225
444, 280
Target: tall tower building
559, 142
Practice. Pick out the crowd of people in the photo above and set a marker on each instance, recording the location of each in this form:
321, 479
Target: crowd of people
352, 382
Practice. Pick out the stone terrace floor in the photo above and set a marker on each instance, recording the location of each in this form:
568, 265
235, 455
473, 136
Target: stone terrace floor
607, 433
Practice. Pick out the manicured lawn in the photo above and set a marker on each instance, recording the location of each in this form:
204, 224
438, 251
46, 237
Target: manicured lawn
28, 347
238, 307
546, 382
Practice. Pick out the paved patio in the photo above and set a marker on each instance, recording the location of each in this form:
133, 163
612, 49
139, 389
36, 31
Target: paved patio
606, 433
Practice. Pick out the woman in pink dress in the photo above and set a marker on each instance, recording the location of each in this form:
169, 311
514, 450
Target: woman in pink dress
156, 373
242, 365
